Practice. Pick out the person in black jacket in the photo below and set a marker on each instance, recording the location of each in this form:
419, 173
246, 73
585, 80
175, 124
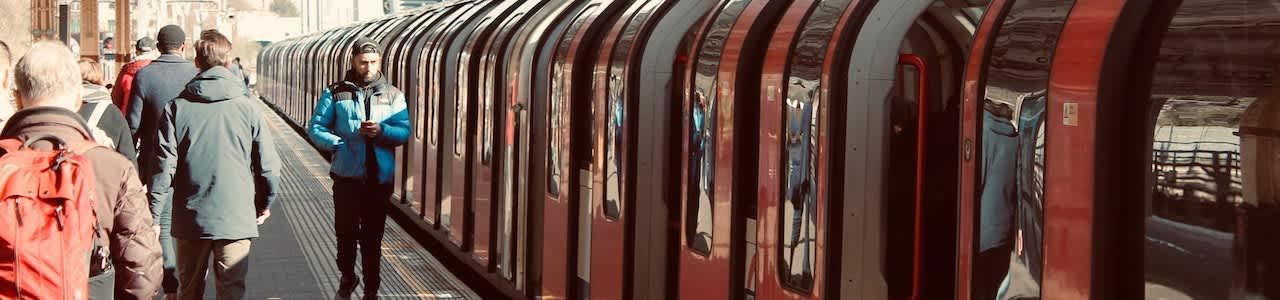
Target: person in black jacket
217, 136
103, 117
153, 88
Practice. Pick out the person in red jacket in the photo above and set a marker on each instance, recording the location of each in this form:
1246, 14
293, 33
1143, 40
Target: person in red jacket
146, 48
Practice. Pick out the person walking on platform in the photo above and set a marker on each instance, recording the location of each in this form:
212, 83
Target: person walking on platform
219, 140
152, 89
146, 48
105, 120
49, 91
361, 119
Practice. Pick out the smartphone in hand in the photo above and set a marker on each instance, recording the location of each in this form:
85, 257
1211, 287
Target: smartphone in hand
367, 128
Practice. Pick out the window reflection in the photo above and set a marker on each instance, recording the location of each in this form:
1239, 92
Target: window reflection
556, 152
701, 171
1024, 272
1009, 260
703, 128
485, 116
430, 104
798, 234
613, 152
459, 123
799, 211
559, 98
1214, 204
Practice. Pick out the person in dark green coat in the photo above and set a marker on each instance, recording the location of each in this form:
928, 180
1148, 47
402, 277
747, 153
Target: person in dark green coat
218, 164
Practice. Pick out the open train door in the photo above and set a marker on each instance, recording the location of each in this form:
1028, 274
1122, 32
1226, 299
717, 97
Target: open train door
1179, 106
851, 205
1142, 141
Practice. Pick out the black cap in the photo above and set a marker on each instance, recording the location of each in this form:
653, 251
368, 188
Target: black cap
364, 45
171, 37
145, 44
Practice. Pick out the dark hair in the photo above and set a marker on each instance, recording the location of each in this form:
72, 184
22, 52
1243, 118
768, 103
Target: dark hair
213, 49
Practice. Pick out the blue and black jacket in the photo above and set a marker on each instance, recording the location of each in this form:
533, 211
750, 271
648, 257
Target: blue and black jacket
335, 127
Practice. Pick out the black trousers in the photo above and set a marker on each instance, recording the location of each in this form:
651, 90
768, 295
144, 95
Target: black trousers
359, 217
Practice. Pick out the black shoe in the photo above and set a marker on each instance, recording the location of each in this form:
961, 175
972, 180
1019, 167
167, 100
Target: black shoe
346, 287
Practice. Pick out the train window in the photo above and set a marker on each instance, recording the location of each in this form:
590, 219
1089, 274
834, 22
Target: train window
434, 105
487, 113
555, 155
1213, 204
560, 93
703, 130
459, 123
1010, 209
616, 112
798, 212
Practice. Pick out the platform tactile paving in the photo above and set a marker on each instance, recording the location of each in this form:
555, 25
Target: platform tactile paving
408, 270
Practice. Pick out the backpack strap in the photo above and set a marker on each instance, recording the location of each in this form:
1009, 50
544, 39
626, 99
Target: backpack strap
97, 114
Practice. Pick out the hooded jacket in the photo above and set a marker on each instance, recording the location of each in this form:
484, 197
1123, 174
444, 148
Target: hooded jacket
216, 160
335, 127
135, 251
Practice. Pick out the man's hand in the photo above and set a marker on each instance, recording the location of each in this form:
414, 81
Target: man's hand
370, 129
262, 216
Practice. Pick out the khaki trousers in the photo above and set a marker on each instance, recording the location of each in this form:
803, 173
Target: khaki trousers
231, 264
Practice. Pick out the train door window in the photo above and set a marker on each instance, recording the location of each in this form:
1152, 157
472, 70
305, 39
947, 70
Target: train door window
433, 106
555, 153
703, 128
1010, 209
1213, 195
798, 225
558, 110
487, 114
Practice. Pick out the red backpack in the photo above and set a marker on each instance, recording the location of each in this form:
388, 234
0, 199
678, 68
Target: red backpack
46, 219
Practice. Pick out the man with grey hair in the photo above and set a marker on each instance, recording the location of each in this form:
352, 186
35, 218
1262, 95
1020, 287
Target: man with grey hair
49, 93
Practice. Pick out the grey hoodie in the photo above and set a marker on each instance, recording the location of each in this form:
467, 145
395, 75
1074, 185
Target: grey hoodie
216, 160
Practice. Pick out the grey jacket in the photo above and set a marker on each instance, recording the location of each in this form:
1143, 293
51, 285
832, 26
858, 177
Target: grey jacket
215, 159
153, 87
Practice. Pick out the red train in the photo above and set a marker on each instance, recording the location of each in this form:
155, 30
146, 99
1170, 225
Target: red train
834, 149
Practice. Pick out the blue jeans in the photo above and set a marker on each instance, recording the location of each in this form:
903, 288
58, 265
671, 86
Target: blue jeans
169, 281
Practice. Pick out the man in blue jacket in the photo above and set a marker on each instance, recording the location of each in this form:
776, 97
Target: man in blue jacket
361, 119
218, 165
